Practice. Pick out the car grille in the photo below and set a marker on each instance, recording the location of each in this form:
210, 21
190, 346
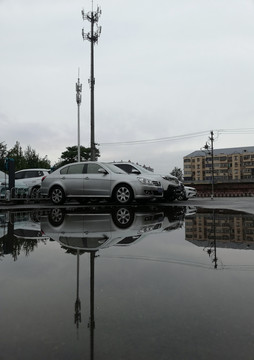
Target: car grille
156, 183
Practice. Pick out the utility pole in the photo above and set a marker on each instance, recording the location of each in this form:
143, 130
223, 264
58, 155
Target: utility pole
212, 139
78, 99
92, 36
209, 148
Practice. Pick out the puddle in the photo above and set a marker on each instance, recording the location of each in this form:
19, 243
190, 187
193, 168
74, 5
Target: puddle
127, 282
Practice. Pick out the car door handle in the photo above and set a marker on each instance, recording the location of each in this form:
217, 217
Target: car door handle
63, 177
87, 178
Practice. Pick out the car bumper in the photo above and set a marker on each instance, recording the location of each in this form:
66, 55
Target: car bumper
150, 192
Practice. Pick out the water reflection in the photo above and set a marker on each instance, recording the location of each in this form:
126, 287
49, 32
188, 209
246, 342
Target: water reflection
79, 231
20, 232
93, 231
213, 229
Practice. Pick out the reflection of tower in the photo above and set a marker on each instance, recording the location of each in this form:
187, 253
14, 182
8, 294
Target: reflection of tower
91, 323
77, 315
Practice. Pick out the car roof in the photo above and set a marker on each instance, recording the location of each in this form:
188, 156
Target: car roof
33, 169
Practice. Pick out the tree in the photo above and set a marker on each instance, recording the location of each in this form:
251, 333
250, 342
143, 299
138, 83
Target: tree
27, 159
3, 153
70, 155
33, 160
177, 172
16, 153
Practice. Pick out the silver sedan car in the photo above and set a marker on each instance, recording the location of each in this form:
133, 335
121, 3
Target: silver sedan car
92, 179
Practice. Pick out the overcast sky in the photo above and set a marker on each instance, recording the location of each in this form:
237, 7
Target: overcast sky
163, 69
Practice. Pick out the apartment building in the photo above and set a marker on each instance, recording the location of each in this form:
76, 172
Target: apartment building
229, 164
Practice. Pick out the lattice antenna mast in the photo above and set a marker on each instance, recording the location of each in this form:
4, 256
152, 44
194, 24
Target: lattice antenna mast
92, 36
78, 100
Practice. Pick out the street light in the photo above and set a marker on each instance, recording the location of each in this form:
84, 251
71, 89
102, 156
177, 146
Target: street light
209, 148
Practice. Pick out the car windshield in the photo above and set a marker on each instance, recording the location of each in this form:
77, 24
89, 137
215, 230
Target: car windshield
142, 169
114, 169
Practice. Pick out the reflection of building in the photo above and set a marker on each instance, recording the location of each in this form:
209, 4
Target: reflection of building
229, 229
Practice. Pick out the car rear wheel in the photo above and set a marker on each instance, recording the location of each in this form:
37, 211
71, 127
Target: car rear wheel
57, 195
123, 194
35, 192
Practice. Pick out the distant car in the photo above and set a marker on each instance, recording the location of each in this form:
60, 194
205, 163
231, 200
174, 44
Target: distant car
32, 179
188, 192
171, 185
93, 179
21, 190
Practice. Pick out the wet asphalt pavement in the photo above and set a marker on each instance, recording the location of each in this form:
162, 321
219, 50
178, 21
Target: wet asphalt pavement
245, 204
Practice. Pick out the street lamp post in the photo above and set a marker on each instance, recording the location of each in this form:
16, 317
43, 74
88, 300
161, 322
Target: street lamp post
209, 148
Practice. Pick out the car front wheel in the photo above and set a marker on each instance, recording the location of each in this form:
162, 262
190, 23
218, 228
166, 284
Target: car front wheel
123, 194
123, 217
57, 195
182, 197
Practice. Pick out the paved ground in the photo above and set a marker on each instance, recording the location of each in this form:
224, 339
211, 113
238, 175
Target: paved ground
235, 203
245, 204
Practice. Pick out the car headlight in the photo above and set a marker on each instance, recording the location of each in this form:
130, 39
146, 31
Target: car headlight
145, 181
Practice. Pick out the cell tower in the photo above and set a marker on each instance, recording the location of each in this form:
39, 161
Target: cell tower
92, 36
78, 99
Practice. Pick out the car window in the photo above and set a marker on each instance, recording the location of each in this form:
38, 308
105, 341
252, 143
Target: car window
76, 169
64, 170
127, 168
30, 174
115, 169
93, 168
19, 175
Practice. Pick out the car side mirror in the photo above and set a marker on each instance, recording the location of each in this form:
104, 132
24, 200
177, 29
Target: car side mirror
102, 171
135, 171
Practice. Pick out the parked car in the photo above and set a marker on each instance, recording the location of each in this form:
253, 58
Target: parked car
187, 193
171, 185
3, 178
20, 190
92, 179
32, 179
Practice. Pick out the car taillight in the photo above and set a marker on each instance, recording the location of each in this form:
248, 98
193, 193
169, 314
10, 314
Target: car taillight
43, 178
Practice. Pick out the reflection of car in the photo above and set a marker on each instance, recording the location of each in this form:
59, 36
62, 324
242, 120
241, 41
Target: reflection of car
170, 183
91, 231
187, 193
84, 180
31, 178
26, 226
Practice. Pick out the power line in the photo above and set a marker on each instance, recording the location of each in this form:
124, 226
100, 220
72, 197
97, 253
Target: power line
148, 141
181, 137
